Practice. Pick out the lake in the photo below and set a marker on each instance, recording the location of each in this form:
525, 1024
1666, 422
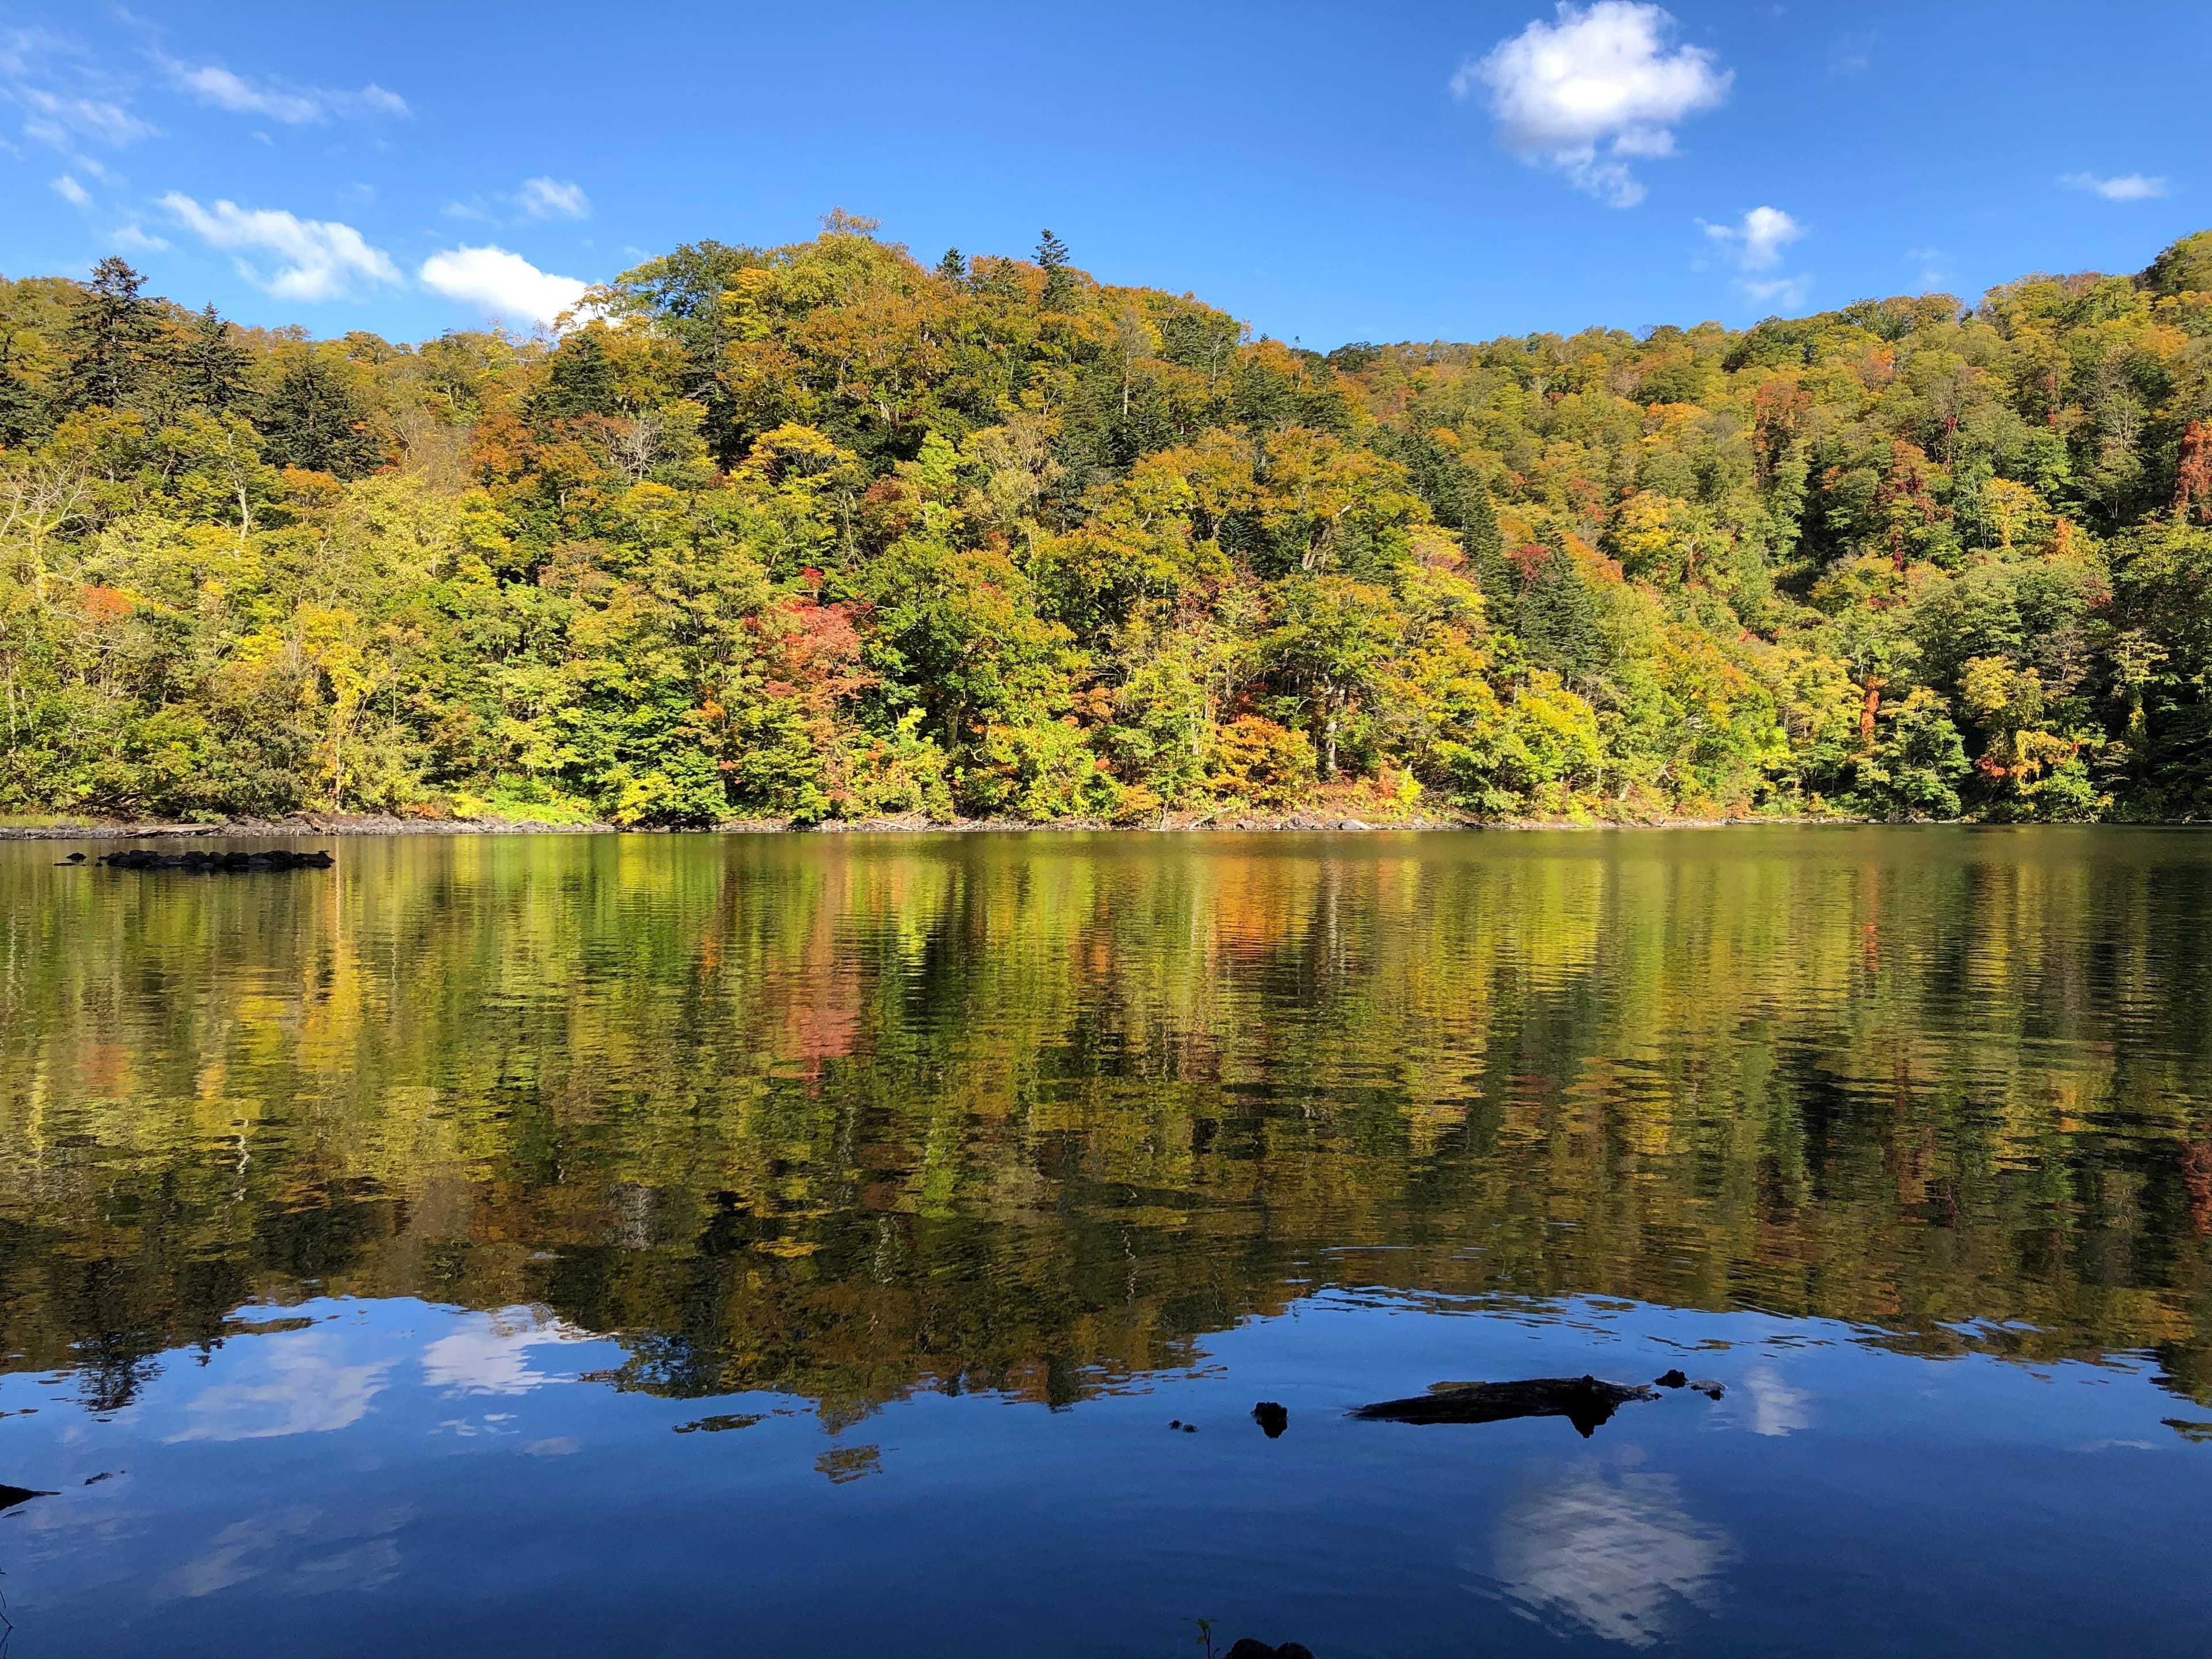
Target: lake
548, 1245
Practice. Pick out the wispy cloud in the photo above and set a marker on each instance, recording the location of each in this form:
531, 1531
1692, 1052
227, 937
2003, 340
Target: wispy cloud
72, 192
62, 121
503, 285
1754, 245
2120, 188
1598, 88
283, 102
314, 260
66, 98
1935, 266
555, 198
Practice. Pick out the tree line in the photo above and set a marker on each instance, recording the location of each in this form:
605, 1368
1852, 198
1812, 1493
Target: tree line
821, 533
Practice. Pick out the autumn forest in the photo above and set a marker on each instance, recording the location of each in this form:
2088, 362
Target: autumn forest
823, 532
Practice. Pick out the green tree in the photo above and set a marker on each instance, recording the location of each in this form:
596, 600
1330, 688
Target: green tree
314, 419
110, 345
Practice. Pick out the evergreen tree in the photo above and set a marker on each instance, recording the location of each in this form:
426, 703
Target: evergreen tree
953, 267
1059, 279
22, 411
315, 420
212, 366
578, 381
110, 339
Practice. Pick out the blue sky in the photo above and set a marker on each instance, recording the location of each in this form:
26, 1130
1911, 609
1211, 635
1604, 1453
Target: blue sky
1327, 172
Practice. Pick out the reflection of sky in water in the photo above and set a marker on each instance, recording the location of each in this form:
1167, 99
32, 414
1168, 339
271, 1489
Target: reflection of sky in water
1616, 1555
1776, 1407
312, 1476
489, 1354
299, 1386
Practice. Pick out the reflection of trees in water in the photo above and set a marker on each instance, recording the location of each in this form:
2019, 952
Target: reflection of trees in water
846, 1118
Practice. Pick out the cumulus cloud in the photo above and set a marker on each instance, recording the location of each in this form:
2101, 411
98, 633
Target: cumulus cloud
1757, 242
295, 106
555, 198
501, 284
2121, 187
1598, 88
314, 258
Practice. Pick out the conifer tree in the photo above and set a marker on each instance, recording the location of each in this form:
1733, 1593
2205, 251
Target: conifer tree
22, 411
1059, 279
315, 420
110, 339
578, 381
212, 366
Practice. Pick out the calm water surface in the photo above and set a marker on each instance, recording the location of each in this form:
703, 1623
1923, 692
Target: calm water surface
784, 1245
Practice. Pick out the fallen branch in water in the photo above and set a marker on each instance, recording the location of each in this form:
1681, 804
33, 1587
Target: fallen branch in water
1583, 1401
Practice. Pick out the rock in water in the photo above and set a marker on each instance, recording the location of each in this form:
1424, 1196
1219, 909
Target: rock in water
1673, 1379
1583, 1401
1246, 1648
1272, 1419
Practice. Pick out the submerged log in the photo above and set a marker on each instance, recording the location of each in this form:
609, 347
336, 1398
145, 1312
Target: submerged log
205, 863
1583, 1401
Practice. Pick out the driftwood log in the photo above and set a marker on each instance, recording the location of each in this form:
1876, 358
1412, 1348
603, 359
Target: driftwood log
217, 864
1584, 1401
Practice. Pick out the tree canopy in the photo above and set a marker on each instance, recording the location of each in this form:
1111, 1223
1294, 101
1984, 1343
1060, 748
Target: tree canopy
820, 531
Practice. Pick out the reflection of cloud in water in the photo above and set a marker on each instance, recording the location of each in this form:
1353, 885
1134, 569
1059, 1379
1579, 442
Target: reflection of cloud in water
296, 1544
489, 1354
1776, 1407
1616, 1558
306, 1391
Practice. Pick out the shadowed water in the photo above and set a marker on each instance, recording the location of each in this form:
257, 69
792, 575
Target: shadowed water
801, 1244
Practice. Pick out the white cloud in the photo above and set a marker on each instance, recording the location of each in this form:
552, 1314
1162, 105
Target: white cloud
72, 192
1782, 292
1756, 243
503, 285
2121, 187
295, 106
1594, 90
59, 121
555, 198
137, 239
316, 259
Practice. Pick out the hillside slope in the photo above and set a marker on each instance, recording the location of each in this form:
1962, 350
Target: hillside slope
819, 532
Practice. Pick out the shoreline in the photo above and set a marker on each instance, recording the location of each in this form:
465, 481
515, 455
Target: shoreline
358, 826
352, 825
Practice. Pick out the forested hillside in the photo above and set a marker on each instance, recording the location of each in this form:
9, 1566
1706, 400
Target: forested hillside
821, 533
